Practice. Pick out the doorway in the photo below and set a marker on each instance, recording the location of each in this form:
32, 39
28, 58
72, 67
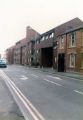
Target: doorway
47, 57
61, 62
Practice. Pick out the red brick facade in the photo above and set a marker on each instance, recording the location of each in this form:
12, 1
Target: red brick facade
23, 48
60, 47
10, 55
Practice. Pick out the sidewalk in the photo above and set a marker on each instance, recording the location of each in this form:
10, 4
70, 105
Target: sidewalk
75, 75
8, 108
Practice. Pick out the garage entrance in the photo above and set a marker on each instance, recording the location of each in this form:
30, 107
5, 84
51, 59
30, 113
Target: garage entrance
61, 62
47, 57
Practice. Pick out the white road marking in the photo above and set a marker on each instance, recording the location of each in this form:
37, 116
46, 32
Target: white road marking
53, 82
35, 75
24, 77
54, 77
33, 111
78, 92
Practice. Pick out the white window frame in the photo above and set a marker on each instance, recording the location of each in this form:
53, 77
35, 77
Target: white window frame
51, 35
46, 37
43, 38
37, 51
61, 42
30, 60
30, 51
37, 42
72, 59
73, 39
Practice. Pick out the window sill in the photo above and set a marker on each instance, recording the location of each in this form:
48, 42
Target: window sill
61, 48
72, 47
81, 68
71, 66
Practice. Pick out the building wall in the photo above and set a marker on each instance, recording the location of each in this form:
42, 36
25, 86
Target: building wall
22, 50
23, 54
77, 50
17, 53
46, 40
31, 33
10, 55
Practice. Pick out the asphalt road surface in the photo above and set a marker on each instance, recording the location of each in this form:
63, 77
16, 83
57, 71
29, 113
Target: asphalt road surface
43, 96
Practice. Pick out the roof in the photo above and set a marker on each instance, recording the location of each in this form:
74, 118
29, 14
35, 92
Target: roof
65, 27
72, 24
48, 32
10, 48
77, 28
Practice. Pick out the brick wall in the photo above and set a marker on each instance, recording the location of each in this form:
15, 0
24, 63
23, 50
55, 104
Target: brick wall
76, 50
10, 55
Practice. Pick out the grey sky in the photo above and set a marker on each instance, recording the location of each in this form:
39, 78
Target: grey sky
41, 15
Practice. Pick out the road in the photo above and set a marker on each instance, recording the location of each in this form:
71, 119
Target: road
8, 107
43, 96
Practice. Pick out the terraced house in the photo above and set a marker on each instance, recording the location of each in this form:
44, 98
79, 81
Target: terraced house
75, 49
60, 48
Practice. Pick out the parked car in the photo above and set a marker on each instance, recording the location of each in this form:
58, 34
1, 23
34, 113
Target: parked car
3, 63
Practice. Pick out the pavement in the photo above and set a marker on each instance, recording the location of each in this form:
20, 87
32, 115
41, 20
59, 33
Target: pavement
75, 75
8, 108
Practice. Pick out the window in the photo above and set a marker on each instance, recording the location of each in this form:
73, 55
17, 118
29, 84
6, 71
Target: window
82, 60
30, 51
37, 51
61, 42
51, 35
37, 42
73, 40
72, 60
42, 39
30, 59
46, 37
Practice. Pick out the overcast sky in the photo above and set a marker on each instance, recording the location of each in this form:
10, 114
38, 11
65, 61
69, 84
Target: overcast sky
42, 15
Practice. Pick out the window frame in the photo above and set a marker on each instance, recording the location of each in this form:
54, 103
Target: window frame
73, 40
61, 42
74, 60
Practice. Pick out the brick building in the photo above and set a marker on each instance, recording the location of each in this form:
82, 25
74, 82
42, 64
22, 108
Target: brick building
60, 48
74, 58
24, 48
10, 55
52, 46
31, 37
44, 49
20, 52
